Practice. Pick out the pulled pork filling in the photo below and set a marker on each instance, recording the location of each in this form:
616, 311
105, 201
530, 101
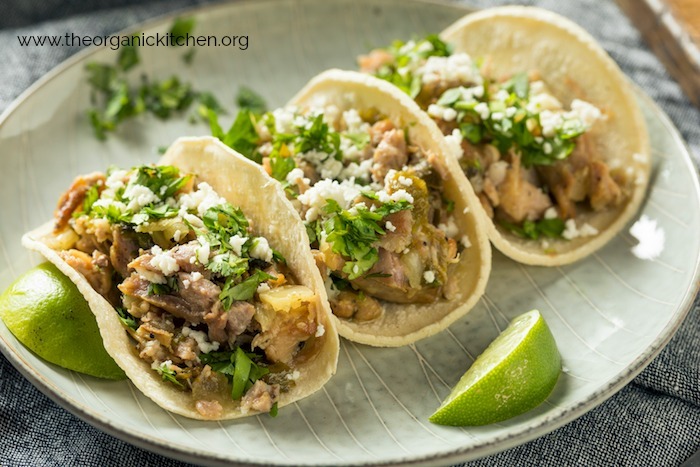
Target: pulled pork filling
531, 161
379, 224
211, 307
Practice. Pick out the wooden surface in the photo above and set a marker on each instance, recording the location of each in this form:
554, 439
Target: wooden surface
672, 29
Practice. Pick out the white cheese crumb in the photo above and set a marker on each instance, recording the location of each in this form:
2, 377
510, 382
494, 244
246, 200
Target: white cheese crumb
483, 110
202, 341
389, 226
429, 277
398, 195
405, 181
237, 243
551, 213
451, 230
164, 261
201, 200
586, 112
315, 197
651, 238
261, 249
571, 231
293, 375
454, 142
263, 287
139, 196
320, 330
458, 67
202, 252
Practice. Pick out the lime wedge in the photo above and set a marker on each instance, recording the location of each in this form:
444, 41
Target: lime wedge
46, 312
515, 373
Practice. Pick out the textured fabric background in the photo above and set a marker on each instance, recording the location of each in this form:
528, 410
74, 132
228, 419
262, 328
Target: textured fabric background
654, 421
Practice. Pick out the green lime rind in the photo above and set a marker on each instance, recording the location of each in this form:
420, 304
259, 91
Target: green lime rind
45, 311
515, 374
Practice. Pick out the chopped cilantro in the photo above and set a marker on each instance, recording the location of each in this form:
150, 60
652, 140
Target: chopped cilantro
251, 100
238, 366
552, 228
242, 291
128, 56
242, 136
169, 375
126, 318
92, 195
352, 235
180, 28
273, 410
227, 265
169, 287
115, 100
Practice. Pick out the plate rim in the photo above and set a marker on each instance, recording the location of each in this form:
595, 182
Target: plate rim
546, 425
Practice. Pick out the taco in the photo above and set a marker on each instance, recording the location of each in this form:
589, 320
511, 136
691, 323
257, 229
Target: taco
546, 127
200, 277
389, 216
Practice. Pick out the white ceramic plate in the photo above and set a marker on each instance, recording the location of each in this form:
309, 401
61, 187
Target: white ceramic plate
610, 314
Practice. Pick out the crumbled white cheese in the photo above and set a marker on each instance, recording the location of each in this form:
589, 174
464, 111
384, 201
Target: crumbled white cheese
202, 252
455, 68
454, 141
429, 276
151, 276
497, 116
398, 195
293, 375
551, 213
202, 340
320, 330
571, 231
295, 175
237, 243
327, 165
586, 112
502, 95
354, 171
510, 111
390, 227
451, 230
354, 122
261, 249
164, 261
542, 101
315, 197
195, 276
550, 122
139, 196
201, 199
547, 147
651, 238
284, 120
139, 218
483, 110
405, 181
263, 287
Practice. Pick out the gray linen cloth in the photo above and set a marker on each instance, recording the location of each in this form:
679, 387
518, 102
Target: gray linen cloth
655, 420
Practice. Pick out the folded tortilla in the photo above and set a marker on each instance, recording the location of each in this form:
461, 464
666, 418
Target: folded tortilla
516, 39
245, 185
404, 323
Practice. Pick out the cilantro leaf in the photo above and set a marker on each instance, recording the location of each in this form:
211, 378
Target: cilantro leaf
251, 100
242, 136
169, 375
534, 230
238, 366
126, 318
128, 55
180, 28
242, 291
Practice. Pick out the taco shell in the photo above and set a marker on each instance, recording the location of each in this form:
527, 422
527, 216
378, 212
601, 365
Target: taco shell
245, 185
516, 39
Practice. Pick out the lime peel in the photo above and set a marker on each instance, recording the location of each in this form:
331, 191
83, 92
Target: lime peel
515, 373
